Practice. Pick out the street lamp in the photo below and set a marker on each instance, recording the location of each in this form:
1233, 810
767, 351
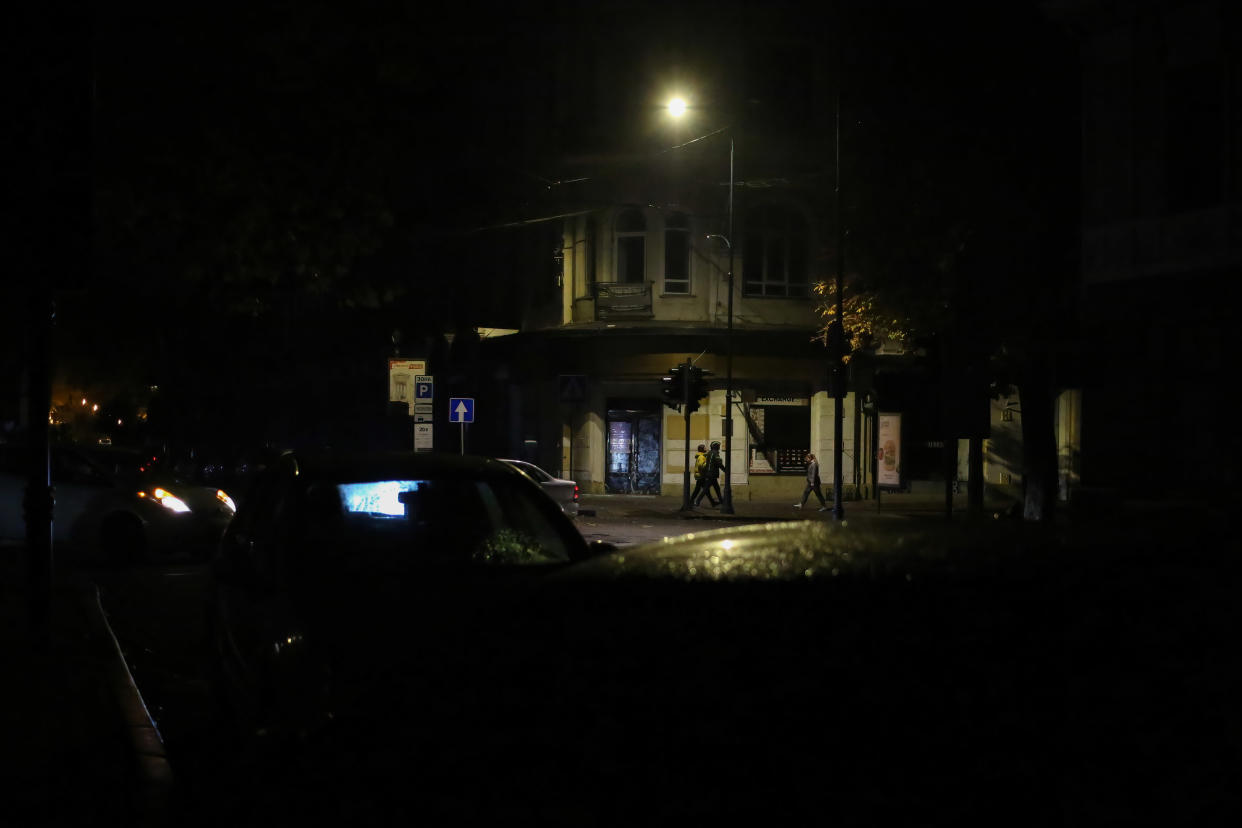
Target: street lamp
677, 108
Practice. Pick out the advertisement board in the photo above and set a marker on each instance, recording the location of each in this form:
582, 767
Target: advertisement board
402, 374
888, 454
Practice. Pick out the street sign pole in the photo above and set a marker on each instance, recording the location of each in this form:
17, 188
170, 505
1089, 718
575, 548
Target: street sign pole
461, 411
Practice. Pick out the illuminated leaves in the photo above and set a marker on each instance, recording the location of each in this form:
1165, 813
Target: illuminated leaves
867, 321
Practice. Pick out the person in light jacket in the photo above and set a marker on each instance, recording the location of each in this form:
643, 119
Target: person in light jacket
812, 484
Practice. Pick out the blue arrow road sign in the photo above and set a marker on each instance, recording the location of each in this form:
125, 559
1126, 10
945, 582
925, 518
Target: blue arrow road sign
461, 410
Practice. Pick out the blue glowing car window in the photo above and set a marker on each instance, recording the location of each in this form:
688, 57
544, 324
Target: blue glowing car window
380, 497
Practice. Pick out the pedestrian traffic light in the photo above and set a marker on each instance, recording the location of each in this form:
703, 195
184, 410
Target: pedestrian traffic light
698, 387
838, 379
672, 388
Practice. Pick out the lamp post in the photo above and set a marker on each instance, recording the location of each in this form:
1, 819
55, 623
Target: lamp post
841, 345
726, 507
677, 107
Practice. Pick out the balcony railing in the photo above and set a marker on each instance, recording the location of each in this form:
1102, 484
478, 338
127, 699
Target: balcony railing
617, 300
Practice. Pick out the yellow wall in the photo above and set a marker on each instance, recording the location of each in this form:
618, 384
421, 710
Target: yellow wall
675, 437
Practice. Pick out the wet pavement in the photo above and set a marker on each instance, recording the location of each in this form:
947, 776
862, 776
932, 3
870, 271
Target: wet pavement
1082, 675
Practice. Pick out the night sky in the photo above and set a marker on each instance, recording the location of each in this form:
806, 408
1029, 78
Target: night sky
220, 188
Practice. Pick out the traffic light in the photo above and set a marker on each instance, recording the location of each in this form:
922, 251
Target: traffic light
698, 387
838, 350
672, 388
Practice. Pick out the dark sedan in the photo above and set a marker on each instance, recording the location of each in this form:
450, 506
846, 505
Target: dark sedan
772, 672
117, 505
344, 579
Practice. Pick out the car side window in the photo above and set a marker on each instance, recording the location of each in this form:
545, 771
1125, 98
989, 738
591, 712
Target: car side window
520, 531
450, 520
539, 474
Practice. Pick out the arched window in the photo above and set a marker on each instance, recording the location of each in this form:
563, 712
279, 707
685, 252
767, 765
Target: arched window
774, 254
677, 253
631, 247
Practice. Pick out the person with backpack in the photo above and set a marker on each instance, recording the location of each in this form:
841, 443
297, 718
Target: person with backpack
711, 474
700, 478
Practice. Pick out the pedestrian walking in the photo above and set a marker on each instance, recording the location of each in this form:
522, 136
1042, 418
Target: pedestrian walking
700, 478
711, 474
812, 484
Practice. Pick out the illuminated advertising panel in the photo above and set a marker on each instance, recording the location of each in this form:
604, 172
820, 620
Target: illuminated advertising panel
888, 456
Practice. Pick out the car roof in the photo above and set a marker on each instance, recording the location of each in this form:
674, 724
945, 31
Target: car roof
799, 551
394, 464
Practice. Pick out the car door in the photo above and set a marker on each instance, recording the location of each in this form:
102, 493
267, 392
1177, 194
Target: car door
246, 585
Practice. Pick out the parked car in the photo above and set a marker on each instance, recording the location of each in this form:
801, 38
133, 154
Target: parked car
345, 578
720, 666
116, 505
564, 492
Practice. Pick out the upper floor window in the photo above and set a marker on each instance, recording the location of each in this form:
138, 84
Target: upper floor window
774, 257
631, 247
677, 253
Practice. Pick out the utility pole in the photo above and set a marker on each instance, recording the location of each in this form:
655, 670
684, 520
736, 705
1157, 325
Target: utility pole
685, 407
726, 507
837, 339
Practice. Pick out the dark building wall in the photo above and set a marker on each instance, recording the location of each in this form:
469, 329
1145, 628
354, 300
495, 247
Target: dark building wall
1162, 243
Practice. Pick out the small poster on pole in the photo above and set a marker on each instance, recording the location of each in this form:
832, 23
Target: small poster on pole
423, 437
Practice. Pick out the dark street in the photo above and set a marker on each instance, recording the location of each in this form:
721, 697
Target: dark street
934, 674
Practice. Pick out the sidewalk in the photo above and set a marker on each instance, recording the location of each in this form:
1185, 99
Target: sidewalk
668, 505
1175, 521
80, 746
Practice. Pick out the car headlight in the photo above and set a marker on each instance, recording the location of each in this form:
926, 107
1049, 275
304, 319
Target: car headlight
224, 498
167, 499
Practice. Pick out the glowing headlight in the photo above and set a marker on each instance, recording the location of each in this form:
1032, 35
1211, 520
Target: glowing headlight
223, 497
169, 500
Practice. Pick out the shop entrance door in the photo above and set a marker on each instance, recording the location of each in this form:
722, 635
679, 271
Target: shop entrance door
633, 451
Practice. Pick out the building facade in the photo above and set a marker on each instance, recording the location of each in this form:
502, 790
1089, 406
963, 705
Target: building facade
1161, 242
644, 286
647, 219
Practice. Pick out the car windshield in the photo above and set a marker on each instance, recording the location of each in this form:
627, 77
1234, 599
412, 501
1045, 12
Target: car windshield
429, 520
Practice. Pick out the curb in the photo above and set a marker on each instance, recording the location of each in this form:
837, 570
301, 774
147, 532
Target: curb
153, 785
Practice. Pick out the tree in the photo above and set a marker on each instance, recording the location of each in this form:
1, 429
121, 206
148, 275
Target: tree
960, 208
276, 191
